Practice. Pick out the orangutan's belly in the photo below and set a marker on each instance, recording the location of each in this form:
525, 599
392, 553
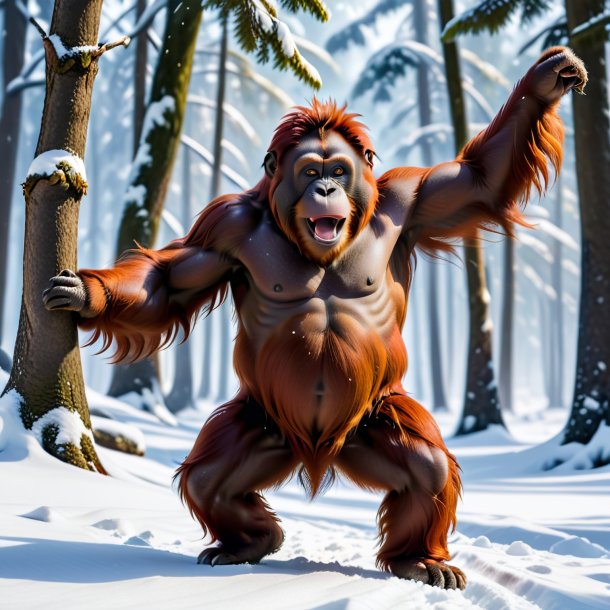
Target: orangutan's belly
319, 373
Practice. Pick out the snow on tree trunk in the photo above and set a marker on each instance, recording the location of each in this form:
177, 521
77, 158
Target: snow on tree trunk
10, 121
481, 404
590, 407
153, 163
46, 371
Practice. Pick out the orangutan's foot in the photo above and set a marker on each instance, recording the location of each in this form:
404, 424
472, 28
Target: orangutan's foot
252, 553
430, 572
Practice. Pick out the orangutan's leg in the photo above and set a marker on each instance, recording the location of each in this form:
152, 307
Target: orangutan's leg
237, 453
399, 449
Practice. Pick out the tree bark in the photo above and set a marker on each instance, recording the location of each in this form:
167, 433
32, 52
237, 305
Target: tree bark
47, 371
225, 315
505, 375
439, 399
555, 319
15, 26
139, 81
181, 395
591, 403
154, 162
481, 403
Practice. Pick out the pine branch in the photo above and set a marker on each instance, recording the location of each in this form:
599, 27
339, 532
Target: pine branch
492, 15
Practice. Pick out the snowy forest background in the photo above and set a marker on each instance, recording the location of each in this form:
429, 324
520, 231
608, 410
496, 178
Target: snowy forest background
367, 55
385, 58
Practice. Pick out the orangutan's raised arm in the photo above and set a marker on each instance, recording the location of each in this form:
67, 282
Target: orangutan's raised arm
497, 169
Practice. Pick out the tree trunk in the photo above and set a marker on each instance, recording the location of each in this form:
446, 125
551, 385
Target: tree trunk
225, 315
152, 167
591, 404
439, 399
505, 375
10, 121
139, 81
47, 371
556, 318
181, 394
481, 403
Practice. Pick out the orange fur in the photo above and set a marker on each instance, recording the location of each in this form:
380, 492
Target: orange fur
131, 302
361, 369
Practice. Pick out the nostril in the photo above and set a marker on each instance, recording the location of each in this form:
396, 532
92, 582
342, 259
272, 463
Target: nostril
330, 190
321, 191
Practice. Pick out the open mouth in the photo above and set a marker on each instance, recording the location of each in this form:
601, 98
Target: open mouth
326, 229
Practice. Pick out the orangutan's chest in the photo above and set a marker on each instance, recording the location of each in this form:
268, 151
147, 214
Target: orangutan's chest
277, 269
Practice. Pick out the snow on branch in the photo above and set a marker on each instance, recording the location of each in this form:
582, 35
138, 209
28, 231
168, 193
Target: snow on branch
258, 29
62, 52
66, 56
599, 24
491, 15
283, 44
59, 167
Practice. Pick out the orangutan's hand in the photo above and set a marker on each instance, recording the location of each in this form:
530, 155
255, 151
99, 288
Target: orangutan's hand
558, 70
65, 291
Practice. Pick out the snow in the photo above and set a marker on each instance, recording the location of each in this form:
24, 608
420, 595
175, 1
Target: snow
62, 51
272, 25
527, 538
116, 428
47, 163
154, 117
68, 423
593, 21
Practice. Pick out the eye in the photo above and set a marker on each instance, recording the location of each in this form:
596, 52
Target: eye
338, 171
311, 172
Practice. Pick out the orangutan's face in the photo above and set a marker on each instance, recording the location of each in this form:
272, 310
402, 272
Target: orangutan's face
323, 193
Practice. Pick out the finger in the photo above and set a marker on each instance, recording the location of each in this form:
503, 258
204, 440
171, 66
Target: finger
570, 83
58, 304
63, 280
65, 291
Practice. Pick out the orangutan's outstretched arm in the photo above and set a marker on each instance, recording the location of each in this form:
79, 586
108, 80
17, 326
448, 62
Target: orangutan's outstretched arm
149, 295
497, 168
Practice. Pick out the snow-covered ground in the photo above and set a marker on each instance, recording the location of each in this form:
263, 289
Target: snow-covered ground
73, 539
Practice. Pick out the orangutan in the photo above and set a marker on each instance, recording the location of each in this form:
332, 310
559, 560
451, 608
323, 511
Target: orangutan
317, 258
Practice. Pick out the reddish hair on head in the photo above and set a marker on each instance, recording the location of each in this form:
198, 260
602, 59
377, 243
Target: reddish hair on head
319, 118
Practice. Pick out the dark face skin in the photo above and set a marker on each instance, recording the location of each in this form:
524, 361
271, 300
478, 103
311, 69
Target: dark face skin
322, 195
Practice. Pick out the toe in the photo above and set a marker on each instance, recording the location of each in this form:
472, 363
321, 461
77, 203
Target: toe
450, 579
207, 555
460, 578
435, 575
224, 559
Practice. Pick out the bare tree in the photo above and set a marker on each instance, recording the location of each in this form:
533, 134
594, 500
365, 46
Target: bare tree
591, 403
15, 23
481, 403
46, 372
